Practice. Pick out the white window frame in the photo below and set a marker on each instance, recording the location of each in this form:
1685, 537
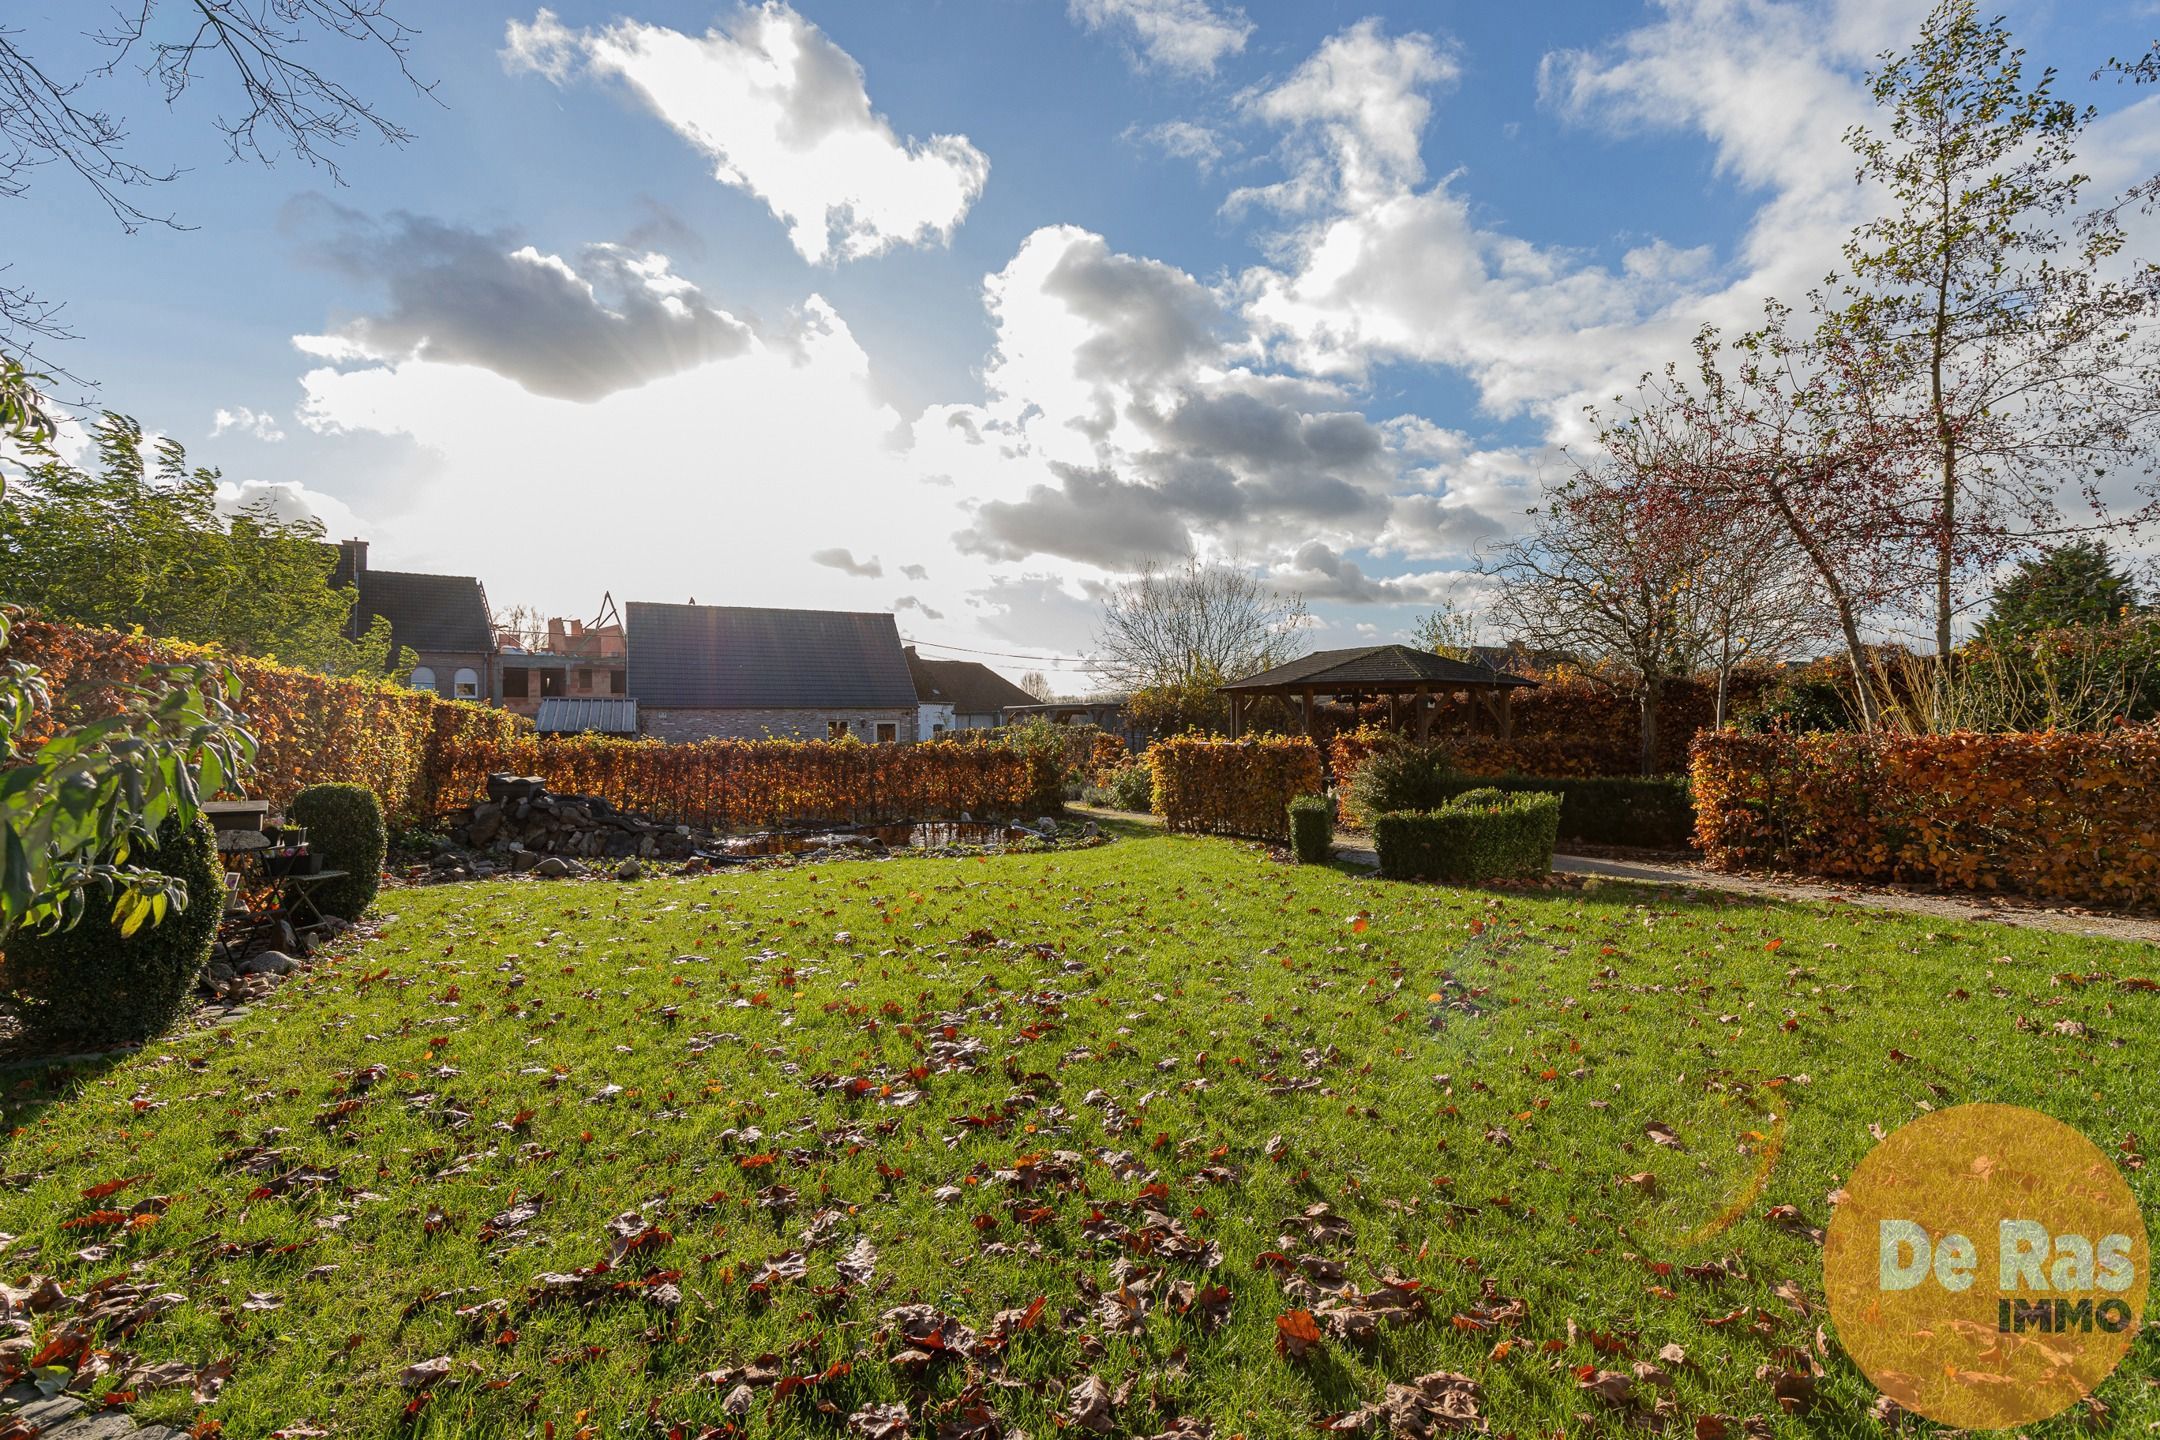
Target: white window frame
422, 678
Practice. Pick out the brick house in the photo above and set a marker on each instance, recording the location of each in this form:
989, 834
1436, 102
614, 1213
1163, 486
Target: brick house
961, 695
576, 662
442, 619
749, 673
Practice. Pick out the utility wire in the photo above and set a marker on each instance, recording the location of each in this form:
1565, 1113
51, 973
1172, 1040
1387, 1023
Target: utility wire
1003, 654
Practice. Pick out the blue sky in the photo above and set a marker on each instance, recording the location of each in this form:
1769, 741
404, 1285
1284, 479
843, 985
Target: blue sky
996, 299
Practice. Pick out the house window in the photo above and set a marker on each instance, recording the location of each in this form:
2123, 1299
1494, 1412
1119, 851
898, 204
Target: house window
887, 732
517, 684
615, 682
836, 729
584, 678
422, 678
938, 729
467, 684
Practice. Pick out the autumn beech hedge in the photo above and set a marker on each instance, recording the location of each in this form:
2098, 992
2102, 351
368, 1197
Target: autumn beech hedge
2055, 815
421, 755
752, 784
1211, 786
312, 729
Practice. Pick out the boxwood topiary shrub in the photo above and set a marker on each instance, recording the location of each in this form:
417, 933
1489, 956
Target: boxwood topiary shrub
89, 984
1652, 811
1401, 774
1483, 834
1312, 829
345, 827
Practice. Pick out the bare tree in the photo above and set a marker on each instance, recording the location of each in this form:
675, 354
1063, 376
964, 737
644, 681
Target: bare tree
1781, 433
523, 625
1755, 598
1604, 573
2036, 374
1037, 684
1199, 622
282, 104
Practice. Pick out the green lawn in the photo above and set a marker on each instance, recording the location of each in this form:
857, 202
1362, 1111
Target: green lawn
614, 1150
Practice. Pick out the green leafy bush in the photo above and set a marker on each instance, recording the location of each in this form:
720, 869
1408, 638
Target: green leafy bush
1312, 829
345, 827
1130, 786
1484, 834
93, 984
1653, 811
1801, 703
1401, 775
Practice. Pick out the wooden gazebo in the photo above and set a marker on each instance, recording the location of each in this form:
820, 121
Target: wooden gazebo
1396, 673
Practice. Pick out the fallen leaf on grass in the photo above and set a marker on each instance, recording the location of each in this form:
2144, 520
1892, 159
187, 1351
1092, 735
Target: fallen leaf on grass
1296, 1332
879, 1422
1088, 1405
426, 1373
859, 1266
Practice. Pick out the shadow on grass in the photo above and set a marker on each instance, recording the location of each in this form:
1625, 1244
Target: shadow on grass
1118, 824
35, 1076
1662, 893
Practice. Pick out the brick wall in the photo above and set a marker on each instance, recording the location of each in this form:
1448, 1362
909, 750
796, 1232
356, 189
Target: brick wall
446, 664
773, 724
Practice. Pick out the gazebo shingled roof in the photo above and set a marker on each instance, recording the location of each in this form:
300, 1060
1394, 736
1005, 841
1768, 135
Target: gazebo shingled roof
1374, 669
1391, 670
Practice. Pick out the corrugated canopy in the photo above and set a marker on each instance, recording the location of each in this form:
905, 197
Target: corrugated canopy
587, 715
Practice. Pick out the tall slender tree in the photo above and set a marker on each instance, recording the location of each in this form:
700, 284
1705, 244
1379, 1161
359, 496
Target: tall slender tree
2019, 336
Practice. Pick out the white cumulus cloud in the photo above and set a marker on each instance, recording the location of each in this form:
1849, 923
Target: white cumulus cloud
785, 114
259, 423
1185, 35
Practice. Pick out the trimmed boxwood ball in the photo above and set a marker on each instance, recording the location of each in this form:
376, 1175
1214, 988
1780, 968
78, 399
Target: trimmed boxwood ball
1312, 829
89, 984
345, 827
1483, 834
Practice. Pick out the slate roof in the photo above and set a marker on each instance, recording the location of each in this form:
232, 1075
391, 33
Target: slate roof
739, 657
426, 612
585, 714
1376, 665
969, 686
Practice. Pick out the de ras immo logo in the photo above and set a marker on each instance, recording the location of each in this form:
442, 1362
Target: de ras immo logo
1987, 1266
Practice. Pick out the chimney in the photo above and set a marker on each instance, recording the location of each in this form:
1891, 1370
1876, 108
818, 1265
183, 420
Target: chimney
351, 562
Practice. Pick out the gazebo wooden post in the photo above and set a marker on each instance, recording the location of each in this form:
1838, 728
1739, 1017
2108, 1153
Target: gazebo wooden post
1507, 712
1424, 716
1237, 714
1308, 712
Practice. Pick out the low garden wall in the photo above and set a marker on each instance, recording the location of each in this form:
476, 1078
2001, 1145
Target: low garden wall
1211, 786
2056, 815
